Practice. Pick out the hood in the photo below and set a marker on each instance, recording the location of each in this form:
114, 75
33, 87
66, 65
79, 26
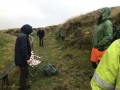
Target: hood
26, 29
105, 13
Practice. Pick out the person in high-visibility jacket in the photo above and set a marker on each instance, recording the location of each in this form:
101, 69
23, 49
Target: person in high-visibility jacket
107, 73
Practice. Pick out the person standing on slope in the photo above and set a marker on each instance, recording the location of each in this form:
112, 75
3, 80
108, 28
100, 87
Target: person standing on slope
102, 36
22, 54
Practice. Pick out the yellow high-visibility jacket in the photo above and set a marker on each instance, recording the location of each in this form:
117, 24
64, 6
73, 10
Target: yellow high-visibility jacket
107, 73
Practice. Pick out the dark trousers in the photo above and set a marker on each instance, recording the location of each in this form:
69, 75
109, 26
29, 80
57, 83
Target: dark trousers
41, 41
23, 77
94, 65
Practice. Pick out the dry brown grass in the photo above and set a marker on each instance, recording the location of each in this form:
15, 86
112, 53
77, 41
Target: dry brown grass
79, 29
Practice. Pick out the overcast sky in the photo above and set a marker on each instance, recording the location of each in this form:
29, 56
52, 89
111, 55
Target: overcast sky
41, 13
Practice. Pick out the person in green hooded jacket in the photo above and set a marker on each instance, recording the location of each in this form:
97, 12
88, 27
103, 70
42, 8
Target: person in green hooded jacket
107, 73
102, 36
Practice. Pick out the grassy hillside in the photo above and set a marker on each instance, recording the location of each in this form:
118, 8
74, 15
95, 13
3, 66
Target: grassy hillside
74, 66
6, 50
7, 55
66, 45
78, 31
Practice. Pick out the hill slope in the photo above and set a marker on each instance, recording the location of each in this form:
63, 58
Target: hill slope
74, 66
73, 63
78, 31
6, 50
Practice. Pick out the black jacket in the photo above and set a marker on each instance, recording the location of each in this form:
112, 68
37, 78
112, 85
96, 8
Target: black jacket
22, 46
22, 50
41, 33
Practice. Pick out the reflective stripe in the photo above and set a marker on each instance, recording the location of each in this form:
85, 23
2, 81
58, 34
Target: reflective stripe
103, 83
119, 43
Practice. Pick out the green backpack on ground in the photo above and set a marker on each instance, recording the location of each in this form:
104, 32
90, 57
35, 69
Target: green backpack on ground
50, 70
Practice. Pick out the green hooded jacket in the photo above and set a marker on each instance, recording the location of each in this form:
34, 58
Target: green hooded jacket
104, 33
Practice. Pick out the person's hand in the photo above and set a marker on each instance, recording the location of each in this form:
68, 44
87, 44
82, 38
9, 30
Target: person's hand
29, 61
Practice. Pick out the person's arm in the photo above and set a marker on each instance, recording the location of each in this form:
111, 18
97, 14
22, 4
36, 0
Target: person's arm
43, 33
108, 34
29, 61
23, 48
38, 33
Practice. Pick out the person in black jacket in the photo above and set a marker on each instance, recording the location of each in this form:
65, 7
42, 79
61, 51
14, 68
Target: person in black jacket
22, 54
41, 34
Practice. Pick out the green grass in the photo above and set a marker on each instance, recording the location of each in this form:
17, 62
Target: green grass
7, 43
74, 65
6, 50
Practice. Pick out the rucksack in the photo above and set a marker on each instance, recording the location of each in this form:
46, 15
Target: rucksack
116, 33
50, 70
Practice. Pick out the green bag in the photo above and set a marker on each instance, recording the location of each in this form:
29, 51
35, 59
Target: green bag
50, 70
